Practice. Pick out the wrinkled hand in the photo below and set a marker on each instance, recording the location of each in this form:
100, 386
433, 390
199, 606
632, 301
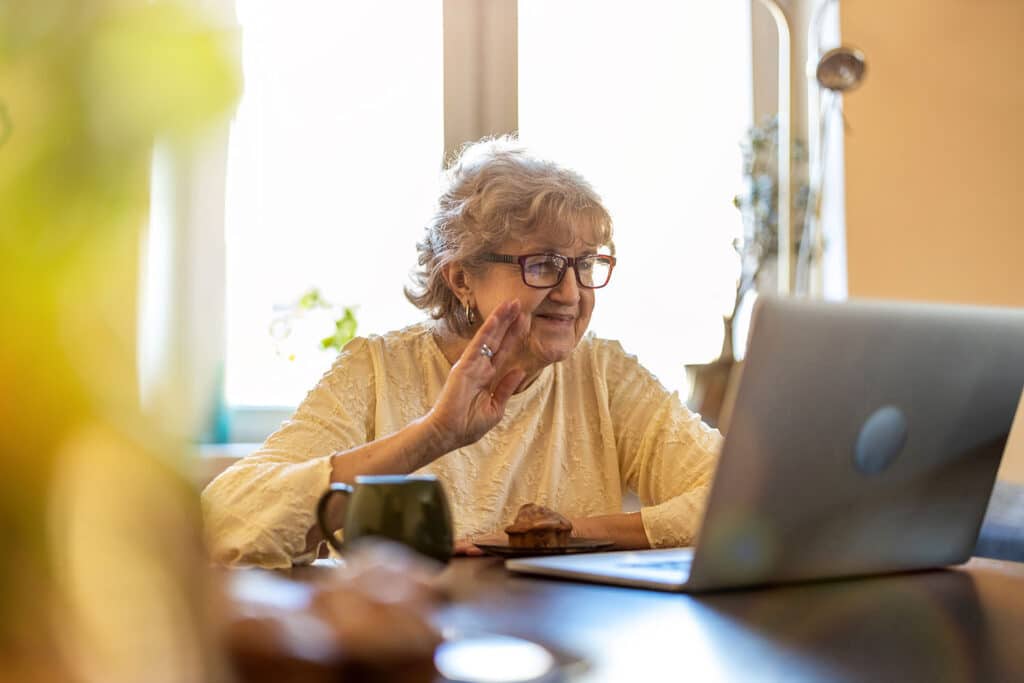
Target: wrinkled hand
473, 398
468, 547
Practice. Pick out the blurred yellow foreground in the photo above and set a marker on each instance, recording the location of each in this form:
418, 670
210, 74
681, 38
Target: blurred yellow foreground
102, 577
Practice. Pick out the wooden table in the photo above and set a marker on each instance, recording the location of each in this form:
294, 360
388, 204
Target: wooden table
961, 624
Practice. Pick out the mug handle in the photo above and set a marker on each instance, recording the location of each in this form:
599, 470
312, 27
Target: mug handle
321, 512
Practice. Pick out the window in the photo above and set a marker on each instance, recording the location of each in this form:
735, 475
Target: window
336, 148
649, 101
332, 169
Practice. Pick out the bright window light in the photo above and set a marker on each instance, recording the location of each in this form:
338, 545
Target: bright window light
649, 101
337, 145
332, 171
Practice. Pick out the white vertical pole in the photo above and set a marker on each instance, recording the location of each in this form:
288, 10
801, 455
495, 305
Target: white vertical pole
815, 142
785, 147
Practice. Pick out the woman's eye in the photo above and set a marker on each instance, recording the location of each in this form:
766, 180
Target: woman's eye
536, 267
545, 265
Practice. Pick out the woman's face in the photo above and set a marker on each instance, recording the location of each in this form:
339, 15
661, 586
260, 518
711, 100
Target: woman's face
557, 317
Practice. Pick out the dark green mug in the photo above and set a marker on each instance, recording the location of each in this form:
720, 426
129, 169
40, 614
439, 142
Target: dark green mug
412, 510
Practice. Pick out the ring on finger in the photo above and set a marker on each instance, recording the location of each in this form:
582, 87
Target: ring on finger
485, 350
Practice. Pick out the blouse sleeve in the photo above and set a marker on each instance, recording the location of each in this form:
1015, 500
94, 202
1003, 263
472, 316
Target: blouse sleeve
260, 509
666, 453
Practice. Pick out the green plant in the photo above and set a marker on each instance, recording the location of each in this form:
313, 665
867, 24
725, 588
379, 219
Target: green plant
759, 200
344, 323
759, 246
759, 205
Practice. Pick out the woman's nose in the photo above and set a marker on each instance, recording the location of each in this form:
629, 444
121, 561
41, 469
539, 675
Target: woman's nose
568, 290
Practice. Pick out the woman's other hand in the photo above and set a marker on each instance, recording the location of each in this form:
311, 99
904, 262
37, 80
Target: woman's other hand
473, 398
467, 547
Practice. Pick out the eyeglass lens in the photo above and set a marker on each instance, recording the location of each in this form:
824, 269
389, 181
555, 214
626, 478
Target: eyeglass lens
546, 270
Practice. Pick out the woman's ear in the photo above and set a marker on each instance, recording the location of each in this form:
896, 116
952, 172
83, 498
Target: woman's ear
457, 278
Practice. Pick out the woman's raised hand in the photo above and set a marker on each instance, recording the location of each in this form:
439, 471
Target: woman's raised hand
473, 398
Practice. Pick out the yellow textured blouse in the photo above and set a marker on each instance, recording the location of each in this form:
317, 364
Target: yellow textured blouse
586, 430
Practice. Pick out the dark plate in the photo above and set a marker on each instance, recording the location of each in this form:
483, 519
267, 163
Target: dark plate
575, 545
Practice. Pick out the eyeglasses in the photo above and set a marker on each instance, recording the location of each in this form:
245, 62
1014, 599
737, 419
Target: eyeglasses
543, 271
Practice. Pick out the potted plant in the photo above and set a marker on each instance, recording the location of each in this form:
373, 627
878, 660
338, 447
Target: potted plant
758, 203
758, 248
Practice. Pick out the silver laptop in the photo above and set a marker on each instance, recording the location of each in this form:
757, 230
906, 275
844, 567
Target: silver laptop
865, 439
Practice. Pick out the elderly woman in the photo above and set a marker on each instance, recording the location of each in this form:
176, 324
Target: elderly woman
502, 394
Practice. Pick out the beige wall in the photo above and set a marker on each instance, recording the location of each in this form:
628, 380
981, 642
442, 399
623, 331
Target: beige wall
934, 154
934, 151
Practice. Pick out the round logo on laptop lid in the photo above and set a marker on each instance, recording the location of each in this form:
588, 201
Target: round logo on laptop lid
881, 440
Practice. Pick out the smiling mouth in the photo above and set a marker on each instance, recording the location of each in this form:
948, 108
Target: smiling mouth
557, 318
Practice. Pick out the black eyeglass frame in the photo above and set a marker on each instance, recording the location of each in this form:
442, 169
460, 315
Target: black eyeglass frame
568, 261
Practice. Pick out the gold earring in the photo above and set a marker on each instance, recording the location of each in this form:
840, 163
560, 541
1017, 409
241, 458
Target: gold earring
470, 315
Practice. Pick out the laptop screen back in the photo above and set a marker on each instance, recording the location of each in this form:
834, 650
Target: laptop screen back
864, 438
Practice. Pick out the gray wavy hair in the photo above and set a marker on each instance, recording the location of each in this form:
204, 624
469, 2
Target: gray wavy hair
495, 190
